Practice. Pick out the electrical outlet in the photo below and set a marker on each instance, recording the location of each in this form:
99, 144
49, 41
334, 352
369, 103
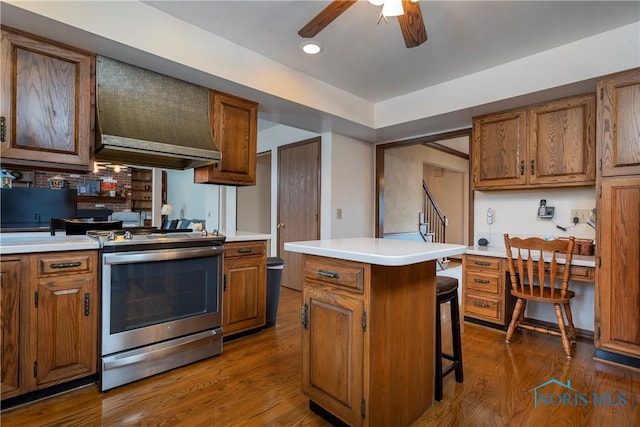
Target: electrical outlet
339, 213
581, 214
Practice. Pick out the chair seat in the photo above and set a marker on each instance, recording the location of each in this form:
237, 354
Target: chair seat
559, 296
446, 285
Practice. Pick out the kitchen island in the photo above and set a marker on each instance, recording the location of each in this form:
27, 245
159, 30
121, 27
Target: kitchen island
368, 319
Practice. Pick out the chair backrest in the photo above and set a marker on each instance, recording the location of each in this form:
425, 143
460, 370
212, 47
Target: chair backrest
56, 224
75, 227
533, 260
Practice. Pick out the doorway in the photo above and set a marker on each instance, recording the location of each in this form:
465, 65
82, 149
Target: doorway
298, 203
253, 203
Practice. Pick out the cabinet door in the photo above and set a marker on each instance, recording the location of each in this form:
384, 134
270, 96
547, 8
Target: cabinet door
67, 316
618, 117
10, 327
562, 142
618, 276
244, 298
332, 353
234, 123
46, 92
499, 150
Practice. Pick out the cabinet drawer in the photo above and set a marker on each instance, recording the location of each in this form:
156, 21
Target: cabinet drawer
342, 274
483, 262
480, 306
483, 282
64, 264
244, 249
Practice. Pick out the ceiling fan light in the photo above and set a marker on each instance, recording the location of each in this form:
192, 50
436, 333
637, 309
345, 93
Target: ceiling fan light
376, 2
392, 8
311, 48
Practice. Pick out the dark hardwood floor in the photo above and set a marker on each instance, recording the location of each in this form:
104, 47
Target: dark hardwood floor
256, 382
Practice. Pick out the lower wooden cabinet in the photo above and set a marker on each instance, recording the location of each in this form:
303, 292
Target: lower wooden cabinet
54, 298
368, 337
245, 287
484, 292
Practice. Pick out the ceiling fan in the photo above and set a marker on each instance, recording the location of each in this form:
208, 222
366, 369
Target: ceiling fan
408, 12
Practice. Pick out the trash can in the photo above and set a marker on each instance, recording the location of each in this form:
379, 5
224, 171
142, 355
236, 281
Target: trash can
274, 277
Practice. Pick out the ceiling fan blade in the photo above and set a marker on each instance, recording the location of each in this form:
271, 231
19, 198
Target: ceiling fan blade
412, 24
324, 18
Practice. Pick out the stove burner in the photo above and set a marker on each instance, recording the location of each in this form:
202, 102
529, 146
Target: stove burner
137, 239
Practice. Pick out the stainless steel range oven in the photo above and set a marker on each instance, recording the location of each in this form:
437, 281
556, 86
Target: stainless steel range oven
161, 302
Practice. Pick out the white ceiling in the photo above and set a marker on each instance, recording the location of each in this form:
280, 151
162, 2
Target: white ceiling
366, 61
371, 61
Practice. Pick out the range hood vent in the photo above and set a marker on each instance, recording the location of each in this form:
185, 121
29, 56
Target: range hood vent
149, 119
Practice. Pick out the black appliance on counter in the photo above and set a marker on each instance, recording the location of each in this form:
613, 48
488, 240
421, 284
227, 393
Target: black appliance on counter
31, 207
161, 301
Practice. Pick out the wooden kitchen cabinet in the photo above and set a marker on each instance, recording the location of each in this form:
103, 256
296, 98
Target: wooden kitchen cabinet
368, 334
58, 319
13, 347
245, 287
617, 315
544, 145
235, 131
47, 104
618, 118
486, 297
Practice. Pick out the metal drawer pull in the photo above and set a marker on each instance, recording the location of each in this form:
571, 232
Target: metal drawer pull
245, 251
483, 263
328, 273
65, 264
481, 304
481, 280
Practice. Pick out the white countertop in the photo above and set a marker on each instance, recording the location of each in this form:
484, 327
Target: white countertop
22, 243
389, 252
244, 236
501, 252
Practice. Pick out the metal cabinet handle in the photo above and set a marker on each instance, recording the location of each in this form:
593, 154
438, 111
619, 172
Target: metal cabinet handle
481, 304
481, 280
533, 167
483, 263
245, 251
328, 273
65, 264
3, 129
521, 167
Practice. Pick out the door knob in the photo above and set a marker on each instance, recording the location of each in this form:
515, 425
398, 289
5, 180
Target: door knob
281, 226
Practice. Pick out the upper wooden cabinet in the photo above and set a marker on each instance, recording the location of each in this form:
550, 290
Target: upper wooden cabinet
545, 145
619, 116
46, 103
235, 131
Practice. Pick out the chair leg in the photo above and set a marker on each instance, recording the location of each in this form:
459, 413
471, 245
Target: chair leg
457, 341
438, 390
515, 318
572, 329
565, 340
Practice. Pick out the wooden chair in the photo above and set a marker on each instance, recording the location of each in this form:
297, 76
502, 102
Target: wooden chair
56, 224
536, 275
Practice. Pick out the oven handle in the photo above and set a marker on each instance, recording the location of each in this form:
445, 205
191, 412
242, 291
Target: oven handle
161, 255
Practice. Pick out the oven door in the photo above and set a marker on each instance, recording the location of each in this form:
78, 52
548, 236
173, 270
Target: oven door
155, 295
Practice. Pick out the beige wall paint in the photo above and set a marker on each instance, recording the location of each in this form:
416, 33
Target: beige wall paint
253, 212
403, 174
448, 189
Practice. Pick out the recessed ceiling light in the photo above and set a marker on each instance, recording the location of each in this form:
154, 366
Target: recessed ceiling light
312, 48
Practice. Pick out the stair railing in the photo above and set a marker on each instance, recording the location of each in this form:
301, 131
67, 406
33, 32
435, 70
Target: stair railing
432, 215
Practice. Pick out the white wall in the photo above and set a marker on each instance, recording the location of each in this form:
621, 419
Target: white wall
352, 188
193, 201
516, 213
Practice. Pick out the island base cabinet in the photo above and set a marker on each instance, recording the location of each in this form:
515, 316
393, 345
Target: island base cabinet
333, 340
368, 339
